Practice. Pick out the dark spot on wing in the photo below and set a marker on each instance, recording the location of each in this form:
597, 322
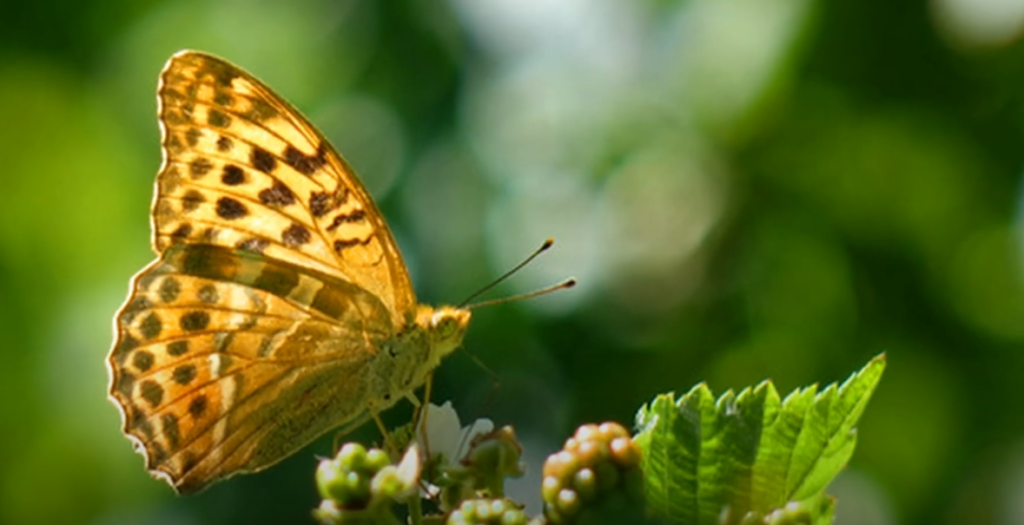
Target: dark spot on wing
177, 348
319, 203
192, 136
169, 289
142, 360
197, 407
343, 218
262, 160
277, 195
181, 233
295, 235
194, 321
304, 164
218, 119
151, 326
229, 208
152, 392
184, 374
200, 167
232, 175
191, 200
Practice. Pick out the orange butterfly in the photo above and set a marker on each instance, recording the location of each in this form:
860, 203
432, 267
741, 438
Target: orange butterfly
279, 307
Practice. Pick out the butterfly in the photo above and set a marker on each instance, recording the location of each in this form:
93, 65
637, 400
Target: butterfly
278, 307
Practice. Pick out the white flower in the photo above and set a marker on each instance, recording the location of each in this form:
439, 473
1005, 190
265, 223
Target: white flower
444, 437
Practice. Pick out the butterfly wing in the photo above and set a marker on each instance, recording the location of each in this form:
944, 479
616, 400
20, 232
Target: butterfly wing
229, 363
277, 284
243, 169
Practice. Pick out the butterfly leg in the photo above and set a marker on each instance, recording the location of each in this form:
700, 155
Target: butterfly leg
420, 420
389, 444
419, 425
346, 430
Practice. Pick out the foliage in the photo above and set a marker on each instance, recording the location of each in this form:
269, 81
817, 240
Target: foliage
751, 452
744, 459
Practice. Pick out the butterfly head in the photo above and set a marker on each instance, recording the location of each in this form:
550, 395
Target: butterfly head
446, 325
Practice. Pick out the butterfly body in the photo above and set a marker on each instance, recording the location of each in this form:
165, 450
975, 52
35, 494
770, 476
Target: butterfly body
278, 308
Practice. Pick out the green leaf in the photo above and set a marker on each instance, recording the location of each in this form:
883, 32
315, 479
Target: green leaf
711, 462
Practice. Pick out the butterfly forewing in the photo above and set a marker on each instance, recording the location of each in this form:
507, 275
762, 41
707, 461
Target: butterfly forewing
243, 169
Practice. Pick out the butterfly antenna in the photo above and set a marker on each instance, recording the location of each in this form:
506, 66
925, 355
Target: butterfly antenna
543, 248
564, 285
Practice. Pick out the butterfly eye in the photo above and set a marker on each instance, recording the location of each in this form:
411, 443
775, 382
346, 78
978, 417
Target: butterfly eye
445, 326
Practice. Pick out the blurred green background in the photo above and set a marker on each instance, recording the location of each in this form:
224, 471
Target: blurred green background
744, 189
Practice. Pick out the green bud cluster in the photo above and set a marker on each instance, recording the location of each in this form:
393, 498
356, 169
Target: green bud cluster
357, 485
793, 513
487, 512
594, 478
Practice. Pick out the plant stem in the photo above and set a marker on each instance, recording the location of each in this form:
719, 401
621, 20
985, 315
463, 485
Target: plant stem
416, 511
388, 518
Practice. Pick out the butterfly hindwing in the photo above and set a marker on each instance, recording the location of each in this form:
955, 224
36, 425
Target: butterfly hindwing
212, 342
